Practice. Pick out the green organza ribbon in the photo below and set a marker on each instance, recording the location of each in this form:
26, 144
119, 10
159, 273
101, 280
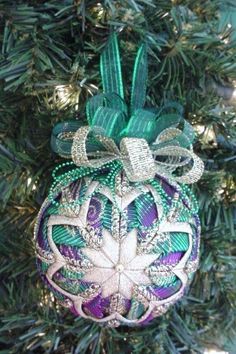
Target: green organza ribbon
145, 141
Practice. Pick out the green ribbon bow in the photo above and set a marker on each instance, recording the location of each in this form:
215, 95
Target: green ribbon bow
145, 141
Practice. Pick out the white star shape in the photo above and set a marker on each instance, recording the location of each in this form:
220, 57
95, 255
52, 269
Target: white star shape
117, 267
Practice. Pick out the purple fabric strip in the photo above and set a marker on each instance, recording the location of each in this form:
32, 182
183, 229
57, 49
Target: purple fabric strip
149, 215
145, 214
41, 238
170, 259
164, 293
94, 213
170, 190
75, 187
94, 307
70, 252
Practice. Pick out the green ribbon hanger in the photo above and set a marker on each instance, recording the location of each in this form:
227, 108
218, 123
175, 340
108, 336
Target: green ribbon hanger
109, 116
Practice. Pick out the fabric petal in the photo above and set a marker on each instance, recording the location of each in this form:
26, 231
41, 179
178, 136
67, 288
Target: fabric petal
141, 262
97, 258
111, 285
137, 277
126, 286
110, 247
128, 247
98, 275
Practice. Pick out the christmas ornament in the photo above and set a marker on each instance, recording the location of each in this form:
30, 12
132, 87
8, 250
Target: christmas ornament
117, 239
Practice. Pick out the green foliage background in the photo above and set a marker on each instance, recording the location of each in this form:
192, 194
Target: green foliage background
49, 47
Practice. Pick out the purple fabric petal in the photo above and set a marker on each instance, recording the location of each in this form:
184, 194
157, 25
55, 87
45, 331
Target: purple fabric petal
105, 303
75, 187
70, 252
127, 305
170, 259
42, 239
94, 213
94, 307
149, 215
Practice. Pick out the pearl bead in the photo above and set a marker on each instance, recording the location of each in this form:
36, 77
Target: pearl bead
119, 268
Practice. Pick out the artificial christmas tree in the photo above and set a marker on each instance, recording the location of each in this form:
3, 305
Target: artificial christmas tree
49, 68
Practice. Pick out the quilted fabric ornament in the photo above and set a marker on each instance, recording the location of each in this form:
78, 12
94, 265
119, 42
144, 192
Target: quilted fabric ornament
117, 239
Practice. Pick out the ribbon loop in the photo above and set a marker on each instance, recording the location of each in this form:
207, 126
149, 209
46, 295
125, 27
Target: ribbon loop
139, 81
98, 158
184, 158
111, 68
134, 154
139, 161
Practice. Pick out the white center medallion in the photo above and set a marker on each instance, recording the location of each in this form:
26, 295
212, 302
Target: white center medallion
117, 266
